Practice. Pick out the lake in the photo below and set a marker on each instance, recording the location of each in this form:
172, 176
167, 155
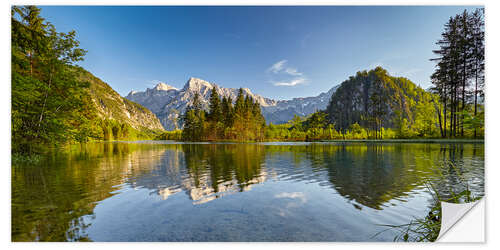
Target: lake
170, 191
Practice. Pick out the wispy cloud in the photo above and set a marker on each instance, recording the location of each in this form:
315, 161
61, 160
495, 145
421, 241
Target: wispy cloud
293, 72
292, 82
293, 195
277, 67
283, 75
297, 199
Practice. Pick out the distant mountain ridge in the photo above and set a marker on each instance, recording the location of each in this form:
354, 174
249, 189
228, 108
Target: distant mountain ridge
169, 103
284, 110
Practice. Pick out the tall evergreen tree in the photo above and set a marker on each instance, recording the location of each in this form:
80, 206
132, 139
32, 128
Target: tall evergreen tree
227, 111
215, 113
194, 120
239, 106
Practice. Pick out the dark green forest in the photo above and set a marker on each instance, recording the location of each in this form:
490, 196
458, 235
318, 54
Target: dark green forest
242, 121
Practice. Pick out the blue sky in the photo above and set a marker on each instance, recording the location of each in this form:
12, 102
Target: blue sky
278, 52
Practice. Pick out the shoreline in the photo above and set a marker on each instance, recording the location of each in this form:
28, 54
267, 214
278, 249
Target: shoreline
318, 141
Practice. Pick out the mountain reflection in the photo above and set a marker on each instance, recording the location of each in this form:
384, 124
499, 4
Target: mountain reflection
369, 174
50, 200
206, 171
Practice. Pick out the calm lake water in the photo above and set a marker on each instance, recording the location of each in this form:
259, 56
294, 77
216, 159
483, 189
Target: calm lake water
168, 191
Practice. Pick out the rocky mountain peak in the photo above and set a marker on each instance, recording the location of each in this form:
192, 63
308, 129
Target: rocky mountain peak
163, 86
197, 85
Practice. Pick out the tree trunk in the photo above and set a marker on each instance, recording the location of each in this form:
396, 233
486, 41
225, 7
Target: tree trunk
475, 101
444, 111
464, 80
440, 122
45, 99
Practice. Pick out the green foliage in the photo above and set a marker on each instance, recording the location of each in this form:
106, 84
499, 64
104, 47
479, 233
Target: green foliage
381, 103
175, 135
315, 127
53, 101
427, 229
110, 129
49, 104
370, 105
194, 121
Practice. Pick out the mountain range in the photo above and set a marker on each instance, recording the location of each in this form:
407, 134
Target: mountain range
169, 103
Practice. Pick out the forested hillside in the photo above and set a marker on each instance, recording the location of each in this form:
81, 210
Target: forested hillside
375, 100
111, 106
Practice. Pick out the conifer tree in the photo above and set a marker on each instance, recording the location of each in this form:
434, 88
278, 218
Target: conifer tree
227, 111
215, 113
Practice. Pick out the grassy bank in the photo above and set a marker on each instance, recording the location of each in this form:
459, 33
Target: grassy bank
427, 229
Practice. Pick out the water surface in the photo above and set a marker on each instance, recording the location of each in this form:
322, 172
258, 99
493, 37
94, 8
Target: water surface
167, 191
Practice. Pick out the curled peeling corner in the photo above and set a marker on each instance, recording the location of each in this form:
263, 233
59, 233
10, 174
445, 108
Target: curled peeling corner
452, 213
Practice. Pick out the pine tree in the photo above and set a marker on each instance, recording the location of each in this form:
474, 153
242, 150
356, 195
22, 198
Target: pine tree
239, 106
194, 120
228, 112
215, 113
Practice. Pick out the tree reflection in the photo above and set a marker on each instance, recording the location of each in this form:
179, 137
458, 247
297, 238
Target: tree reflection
50, 199
55, 200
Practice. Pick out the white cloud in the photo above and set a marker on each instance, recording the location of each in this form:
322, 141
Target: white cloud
293, 72
291, 82
295, 195
288, 76
277, 67
297, 199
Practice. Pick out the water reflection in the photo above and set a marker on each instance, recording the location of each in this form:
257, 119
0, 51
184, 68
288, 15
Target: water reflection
56, 200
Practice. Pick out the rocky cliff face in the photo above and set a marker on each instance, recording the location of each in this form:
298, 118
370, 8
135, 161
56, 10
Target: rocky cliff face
110, 105
374, 94
169, 103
